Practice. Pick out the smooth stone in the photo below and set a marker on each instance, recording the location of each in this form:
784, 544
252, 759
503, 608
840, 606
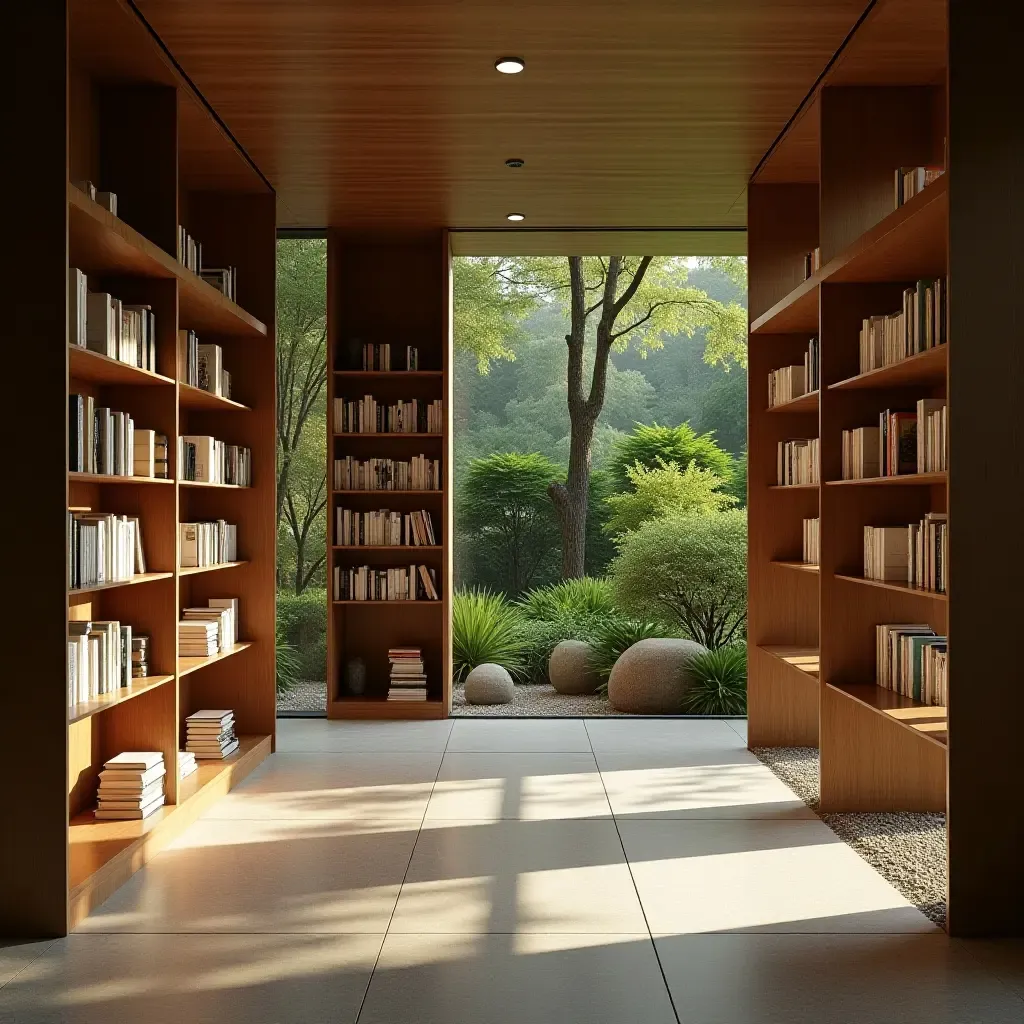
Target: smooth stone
489, 684
652, 676
569, 668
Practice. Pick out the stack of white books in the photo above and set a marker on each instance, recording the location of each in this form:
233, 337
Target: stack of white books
131, 785
223, 612
198, 639
186, 763
211, 734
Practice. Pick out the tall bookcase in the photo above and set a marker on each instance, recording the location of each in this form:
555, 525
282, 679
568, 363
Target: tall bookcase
389, 290
116, 111
916, 84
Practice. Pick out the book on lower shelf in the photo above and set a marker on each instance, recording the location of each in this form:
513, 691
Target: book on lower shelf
131, 786
909, 181
384, 528
210, 734
408, 681
103, 548
203, 365
186, 763
914, 554
369, 583
912, 660
107, 442
102, 659
207, 543
210, 629
190, 252
812, 542
377, 357
204, 459
791, 382
224, 279
419, 473
367, 416
799, 462
920, 325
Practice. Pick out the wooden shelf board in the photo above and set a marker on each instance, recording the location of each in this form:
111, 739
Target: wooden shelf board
906, 480
387, 547
100, 243
794, 487
435, 492
389, 434
84, 364
807, 567
375, 604
903, 588
196, 398
203, 483
805, 403
188, 665
88, 708
803, 659
143, 577
389, 373
191, 570
793, 314
370, 708
109, 478
931, 723
928, 367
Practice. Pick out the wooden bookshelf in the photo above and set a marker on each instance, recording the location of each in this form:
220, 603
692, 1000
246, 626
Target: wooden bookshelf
890, 99
117, 84
360, 311
802, 404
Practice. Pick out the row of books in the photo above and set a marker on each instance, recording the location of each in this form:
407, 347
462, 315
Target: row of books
206, 631
369, 583
205, 459
207, 543
224, 279
408, 680
203, 365
912, 660
108, 200
903, 442
384, 528
103, 657
101, 323
131, 786
103, 548
210, 734
190, 252
419, 473
915, 554
799, 461
920, 325
812, 542
366, 416
378, 357
909, 181
790, 382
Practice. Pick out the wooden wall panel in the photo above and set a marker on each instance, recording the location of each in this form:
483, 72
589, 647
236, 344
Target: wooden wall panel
782, 704
782, 221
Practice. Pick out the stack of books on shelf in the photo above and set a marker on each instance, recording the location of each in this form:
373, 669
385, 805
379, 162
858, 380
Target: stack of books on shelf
911, 180
417, 474
131, 786
860, 453
211, 628
108, 200
102, 323
812, 262
204, 459
224, 279
378, 357
367, 416
186, 763
204, 365
920, 325
799, 462
408, 675
103, 548
384, 528
140, 656
190, 252
790, 382
928, 552
368, 583
207, 543
932, 435
107, 442
912, 661
100, 659
198, 638
210, 735
812, 541
885, 553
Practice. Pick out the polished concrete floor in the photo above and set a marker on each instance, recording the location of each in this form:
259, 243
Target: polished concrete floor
602, 871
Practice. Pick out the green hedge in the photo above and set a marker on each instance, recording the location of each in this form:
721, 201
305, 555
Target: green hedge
302, 621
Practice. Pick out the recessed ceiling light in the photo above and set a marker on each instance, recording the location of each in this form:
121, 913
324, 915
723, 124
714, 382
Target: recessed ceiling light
514, 161
509, 65
516, 216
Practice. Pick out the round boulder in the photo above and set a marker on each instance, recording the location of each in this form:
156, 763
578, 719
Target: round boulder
489, 684
652, 676
569, 668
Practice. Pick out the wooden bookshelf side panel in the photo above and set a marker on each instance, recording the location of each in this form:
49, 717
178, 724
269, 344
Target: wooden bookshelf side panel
447, 574
782, 703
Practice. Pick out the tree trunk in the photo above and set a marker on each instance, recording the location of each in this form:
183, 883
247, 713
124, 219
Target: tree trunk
571, 498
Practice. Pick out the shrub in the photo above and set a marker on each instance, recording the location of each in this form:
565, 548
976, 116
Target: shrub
617, 635
302, 623
585, 596
690, 570
287, 661
682, 445
541, 636
486, 629
719, 683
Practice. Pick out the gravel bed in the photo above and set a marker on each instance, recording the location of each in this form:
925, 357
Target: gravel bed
534, 701
305, 695
907, 849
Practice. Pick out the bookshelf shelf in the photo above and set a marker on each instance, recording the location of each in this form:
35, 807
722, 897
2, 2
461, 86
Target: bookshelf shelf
928, 722
188, 665
803, 660
203, 483
385, 435
192, 570
426, 374
794, 487
805, 403
103, 478
406, 548
928, 367
797, 313
902, 588
904, 480
421, 603
806, 567
84, 364
142, 577
371, 708
88, 708
195, 398
434, 493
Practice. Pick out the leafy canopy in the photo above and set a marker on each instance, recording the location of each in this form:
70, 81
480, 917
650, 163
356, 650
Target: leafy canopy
654, 445
487, 310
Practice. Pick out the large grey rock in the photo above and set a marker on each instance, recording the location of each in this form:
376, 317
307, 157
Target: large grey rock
489, 684
569, 668
652, 676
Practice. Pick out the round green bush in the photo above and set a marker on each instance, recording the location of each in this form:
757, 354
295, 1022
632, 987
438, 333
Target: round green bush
302, 627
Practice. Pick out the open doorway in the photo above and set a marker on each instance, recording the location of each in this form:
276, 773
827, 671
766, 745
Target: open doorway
600, 485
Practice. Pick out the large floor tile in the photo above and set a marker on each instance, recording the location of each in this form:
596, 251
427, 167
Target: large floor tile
313, 735
739, 726
541, 786
853, 979
360, 787
518, 735
261, 876
503, 979
15, 956
519, 876
174, 979
644, 786
679, 736
1002, 957
787, 876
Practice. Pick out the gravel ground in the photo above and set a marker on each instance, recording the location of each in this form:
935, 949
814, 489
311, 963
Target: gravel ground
533, 701
305, 695
908, 850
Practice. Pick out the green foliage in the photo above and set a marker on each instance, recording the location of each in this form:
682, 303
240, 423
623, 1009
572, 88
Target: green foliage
600, 545
665, 490
585, 596
738, 484
302, 623
504, 504
616, 635
487, 311
690, 570
541, 636
287, 662
654, 445
720, 683
486, 629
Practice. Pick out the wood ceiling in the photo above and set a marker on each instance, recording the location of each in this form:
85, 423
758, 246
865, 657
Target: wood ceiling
630, 114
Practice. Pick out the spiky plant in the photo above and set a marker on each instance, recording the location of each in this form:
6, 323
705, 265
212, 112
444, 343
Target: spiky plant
288, 662
617, 635
719, 684
486, 629
583, 596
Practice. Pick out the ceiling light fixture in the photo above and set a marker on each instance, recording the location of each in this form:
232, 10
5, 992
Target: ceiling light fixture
516, 216
514, 161
509, 65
